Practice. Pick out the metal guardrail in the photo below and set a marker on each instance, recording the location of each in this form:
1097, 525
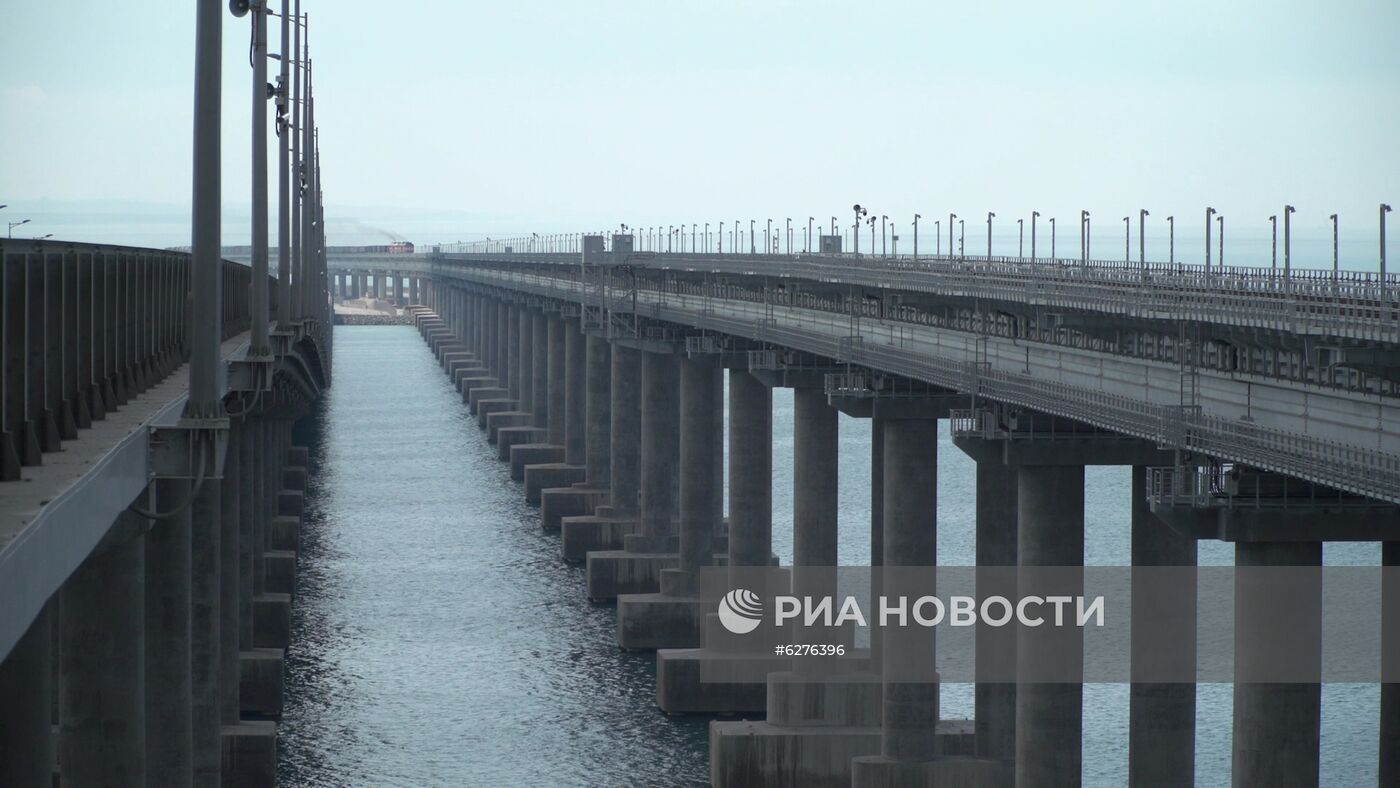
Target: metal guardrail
86, 327
1229, 487
1350, 304
1351, 469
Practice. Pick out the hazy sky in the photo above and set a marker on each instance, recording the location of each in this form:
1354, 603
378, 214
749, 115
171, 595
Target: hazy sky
449, 119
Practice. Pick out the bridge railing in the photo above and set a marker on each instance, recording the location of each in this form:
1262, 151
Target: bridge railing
1352, 304
86, 327
1354, 469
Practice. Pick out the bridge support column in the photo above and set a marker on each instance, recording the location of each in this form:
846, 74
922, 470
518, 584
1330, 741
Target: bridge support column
168, 630
413, 291
205, 625
636, 569
398, 290
1049, 717
103, 658
688, 680
1162, 716
529, 444
672, 618
814, 475
612, 520
26, 698
995, 648
549, 484
1390, 664
1276, 726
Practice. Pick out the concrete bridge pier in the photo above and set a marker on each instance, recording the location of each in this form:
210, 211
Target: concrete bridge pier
26, 697
524, 380
558, 478
169, 728
506, 396
1049, 716
582, 497
102, 651
1162, 716
617, 515
689, 680
413, 291
995, 701
398, 290
636, 568
1390, 664
528, 443
672, 618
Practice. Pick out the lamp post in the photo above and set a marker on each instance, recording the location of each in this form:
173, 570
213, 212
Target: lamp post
44, 237
1221, 262
768, 238
1052, 239
1034, 215
1020, 239
951, 217
693, 228
937, 238
882, 235
1385, 209
1127, 239
807, 247
859, 211
1083, 236
871, 222
962, 236
670, 232
11, 232
719, 238
916, 236
707, 237
1273, 243
752, 250
990, 216
1288, 212
1335, 262
789, 235
1171, 241
1210, 212
1142, 237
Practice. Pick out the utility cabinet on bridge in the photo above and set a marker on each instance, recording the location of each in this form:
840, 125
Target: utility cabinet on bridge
830, 244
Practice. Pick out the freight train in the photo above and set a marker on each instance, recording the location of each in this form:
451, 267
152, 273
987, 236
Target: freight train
397, 247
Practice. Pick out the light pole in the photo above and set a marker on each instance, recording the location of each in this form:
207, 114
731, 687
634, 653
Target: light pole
1142, 237
1288, 212
1209, 213
693, 228
768, 238
1273, 243
882, 235
11, 232
707, 237
938, 238
1020, 239
670, 232
789, 235
807, 247
1385, 209
1221, 262
990, 216
962, 236
871, 222
1335, 263
44, 237
859, 211
1052, 239
1083, 236
1127, 240
719, 238
752, 250
1034, 215
1171, 241
951, 217
916, 236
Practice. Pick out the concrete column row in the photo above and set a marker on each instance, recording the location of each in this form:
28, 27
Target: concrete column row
157, 636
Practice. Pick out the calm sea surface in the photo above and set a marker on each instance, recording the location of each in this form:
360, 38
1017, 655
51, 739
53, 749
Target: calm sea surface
438, 639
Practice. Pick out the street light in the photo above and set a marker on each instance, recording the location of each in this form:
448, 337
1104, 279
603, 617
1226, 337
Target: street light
1335, 264
807, 247
707, 237
990, 216
719, 239
1142, 237
962, 236
11, 232
1221, 262
1288, 212
1209, 213
1020, 239
871, 222
916, 236
768, 238
951, 217
882, 235
1127, 239
1385, 209
859, 211
1034, 215
1083, 235
1171, 241
44, 237
1052, 239
1273, 243
751, 238
938, 238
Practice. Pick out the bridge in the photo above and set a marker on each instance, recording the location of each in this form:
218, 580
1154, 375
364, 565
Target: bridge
1255, 406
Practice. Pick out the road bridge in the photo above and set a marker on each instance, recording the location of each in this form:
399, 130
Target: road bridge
1255, 406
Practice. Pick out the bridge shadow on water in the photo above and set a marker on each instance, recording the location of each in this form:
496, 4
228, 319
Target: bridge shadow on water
437, 637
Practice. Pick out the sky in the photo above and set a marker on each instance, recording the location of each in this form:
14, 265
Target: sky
457, 120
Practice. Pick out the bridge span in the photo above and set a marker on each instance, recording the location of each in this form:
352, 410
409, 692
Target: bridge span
1254, 407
